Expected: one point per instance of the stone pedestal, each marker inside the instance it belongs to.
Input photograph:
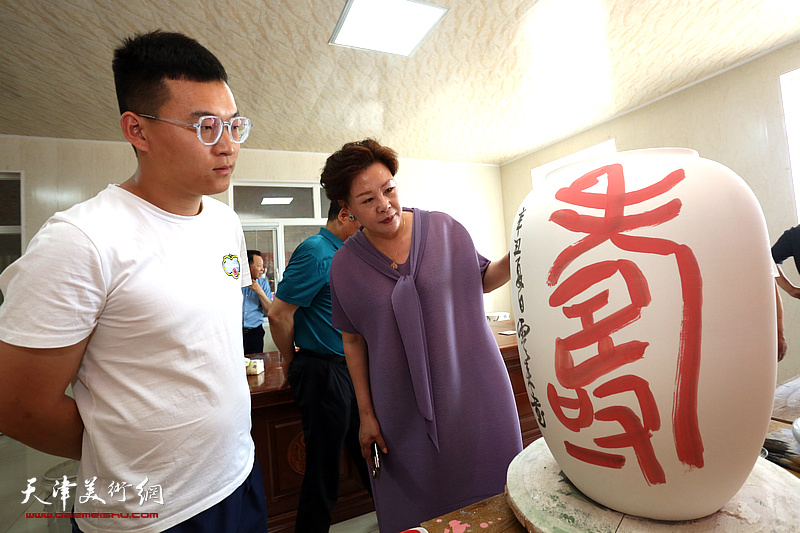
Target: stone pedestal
(544, 500)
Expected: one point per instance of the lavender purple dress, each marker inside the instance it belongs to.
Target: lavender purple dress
(440, 389)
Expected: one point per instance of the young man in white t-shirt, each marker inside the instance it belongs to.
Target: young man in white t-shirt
(160, 418)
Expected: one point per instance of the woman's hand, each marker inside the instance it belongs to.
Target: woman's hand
(355, 350)
(369, 432)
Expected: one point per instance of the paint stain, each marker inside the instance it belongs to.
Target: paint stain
(484, 525)
(458, 527)
(568, 518)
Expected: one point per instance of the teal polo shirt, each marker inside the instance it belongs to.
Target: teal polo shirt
(306, 284)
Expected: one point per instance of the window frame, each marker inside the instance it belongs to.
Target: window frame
(18, 229)
(789, 84)
(279, 224)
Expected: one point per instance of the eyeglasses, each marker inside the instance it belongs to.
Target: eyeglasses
(209, 128)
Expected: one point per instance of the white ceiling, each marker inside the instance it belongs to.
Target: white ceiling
(495, 80)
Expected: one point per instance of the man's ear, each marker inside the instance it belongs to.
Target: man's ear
(132, 130)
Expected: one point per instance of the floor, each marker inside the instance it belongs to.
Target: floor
(367, 523)
(19, 463)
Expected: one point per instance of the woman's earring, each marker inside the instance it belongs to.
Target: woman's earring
(351, 217)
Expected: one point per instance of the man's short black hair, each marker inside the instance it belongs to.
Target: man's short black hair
(333, 210)
(144, 61)
(251, 254)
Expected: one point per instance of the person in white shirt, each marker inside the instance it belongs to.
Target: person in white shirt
(160, 418)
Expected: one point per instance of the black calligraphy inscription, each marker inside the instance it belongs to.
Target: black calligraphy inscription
(524, 329)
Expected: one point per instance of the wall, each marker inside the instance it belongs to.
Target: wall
(469, 193)
(59, 173)
(734, 118)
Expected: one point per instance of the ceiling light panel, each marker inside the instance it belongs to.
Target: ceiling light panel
(390, 26)
(277, 201)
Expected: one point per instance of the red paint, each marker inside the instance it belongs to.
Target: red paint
(634, 436)
(458, 527)
(650, 417)
(609, 357)
(594, 457)
(583, 404)
(610, 227)
(613, 202)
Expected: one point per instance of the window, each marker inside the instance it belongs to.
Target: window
(276, 218)
(604, 148)
(11, 209)
(253, 202)
(790, 93)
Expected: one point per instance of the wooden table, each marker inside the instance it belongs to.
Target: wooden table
(786, 407)
(498, 517)
(492, 516)
(510, 352)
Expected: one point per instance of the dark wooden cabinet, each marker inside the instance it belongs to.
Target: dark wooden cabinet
(510, 352)
(278, 436)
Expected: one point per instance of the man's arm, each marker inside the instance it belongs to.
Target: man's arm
(34, 408)
(497, 273)
(782, 345)
(281, 327)
(784, 283)
(263, 299)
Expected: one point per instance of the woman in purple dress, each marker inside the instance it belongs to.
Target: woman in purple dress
(432, 389)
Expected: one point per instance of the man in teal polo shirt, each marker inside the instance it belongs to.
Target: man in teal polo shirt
(301, 316)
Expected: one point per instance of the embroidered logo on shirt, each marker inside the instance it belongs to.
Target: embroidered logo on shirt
(231, 265)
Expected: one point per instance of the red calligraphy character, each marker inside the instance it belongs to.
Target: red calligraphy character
(582, 404)
(651, 420)
(636, 433)
(594, 457)
(610, 227)
(612, 202)
(609, 356)
(634, 436)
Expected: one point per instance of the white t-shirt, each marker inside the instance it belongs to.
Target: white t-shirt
(162, 388)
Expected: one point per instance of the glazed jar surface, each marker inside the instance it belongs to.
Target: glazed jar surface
(644, 301)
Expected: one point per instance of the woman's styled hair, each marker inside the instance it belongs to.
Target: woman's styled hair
(352, 159)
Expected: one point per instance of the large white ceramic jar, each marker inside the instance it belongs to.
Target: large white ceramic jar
(646, 321)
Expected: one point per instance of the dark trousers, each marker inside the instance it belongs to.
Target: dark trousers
(244, 511)
(323, 390)
(253, 339)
